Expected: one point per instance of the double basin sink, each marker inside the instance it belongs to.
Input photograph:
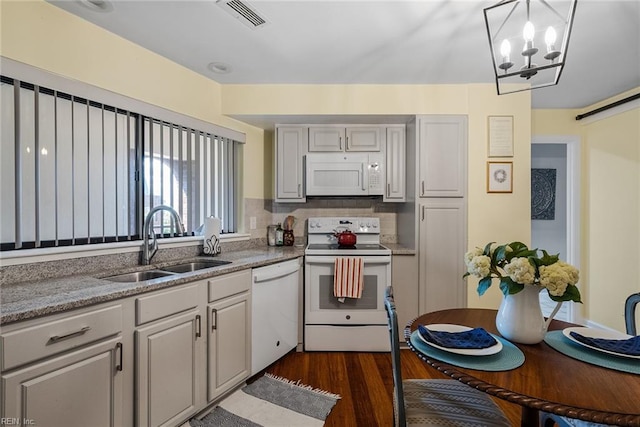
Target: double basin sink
(141, 276)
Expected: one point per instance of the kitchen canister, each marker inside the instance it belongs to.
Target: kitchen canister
(271, 235)
(287, 238)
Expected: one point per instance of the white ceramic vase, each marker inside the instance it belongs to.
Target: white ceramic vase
(520, 318)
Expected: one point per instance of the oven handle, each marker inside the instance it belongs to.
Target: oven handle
(368, 260)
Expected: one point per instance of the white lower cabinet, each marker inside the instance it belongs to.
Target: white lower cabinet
(443, 235)
(229, 352)
(168, 369)
(70, 372)
(82, 388)
(169, 355)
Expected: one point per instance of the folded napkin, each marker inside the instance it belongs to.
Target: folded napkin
(472, 339)
(629, 346)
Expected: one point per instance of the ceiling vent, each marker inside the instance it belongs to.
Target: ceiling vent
(243, 12)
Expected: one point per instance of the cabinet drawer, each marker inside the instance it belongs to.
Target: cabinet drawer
(229, 284)
(166, 303)
(33, 343)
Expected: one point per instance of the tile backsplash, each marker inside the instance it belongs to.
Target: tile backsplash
(268, 212)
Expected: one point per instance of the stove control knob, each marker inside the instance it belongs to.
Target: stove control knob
(375, 225)
(368, 225)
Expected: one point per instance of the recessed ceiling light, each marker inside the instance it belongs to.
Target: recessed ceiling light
(97, 5)
(219, 67)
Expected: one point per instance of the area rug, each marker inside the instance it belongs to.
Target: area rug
(271, 401)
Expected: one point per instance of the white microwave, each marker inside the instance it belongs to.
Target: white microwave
(344, 174)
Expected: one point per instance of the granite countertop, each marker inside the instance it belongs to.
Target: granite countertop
(27, 300)
(398, 249)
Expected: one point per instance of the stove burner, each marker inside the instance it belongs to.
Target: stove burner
(347, 247)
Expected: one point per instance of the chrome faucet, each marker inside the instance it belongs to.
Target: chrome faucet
(149, 248)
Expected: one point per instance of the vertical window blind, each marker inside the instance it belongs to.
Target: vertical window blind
(75, 171)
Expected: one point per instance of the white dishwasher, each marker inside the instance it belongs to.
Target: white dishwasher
(274, 312)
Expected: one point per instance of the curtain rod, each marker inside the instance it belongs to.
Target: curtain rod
(608, 106)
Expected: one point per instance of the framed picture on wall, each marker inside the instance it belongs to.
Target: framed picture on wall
(499, 177)
(500, 136)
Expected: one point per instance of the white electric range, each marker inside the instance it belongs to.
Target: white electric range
(357, 324)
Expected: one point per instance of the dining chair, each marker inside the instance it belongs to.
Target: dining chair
(435, 402)
(550, 420)
(630, 313)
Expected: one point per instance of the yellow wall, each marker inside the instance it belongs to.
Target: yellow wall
(610, 204)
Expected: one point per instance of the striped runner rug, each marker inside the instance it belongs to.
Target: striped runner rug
(271, 401)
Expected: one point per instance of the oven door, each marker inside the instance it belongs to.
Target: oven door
(323, 308)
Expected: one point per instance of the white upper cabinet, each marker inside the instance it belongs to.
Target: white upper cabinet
(365, 138)
(442, 151)
(395, 163)
(326, 138)
(340, 138)
(291, 146)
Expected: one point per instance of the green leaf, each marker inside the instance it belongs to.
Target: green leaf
(500, 252)
(548, 259)
(483, 285)
(518, 246)
(571, 294)
(487, 249)
(509, 287)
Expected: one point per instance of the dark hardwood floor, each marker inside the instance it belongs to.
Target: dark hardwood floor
(363, 380)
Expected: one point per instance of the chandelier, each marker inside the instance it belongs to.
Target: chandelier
(541, 28)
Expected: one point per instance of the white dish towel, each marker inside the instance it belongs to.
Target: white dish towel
(348, 279)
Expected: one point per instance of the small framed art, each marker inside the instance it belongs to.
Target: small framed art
(499, 177)
(500, 136)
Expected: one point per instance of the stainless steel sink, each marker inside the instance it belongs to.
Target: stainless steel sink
(139, 276)
(195, 266)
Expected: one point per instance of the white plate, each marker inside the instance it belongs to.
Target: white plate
(446, 327)
(598, 333)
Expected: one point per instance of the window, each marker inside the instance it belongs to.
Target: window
(75, 171)
(192, 171)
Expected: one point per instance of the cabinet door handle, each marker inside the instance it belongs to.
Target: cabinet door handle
(214, 319)
(347, 143)
(422, 209)
(422, 188)
(199, 322)
(120, 364)
(299, 188)
(340, 142)
(388, 189)
(57, 338)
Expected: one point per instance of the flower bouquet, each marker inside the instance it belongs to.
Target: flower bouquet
(515, 265)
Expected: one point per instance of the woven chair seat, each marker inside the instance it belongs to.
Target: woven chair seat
(449, 403)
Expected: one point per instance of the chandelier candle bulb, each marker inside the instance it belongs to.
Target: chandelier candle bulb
(550, 37)
(527, 33)
(505, 51)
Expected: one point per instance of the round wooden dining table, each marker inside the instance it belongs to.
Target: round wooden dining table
(547, 381)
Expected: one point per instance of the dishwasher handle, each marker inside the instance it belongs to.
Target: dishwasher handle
(275, 274)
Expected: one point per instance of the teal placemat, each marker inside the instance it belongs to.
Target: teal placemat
(510, 357)
(564, 345)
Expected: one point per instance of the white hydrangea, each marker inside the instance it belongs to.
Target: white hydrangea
(472, 254)
(556, 277)
(480, 266)
(521, 271)
(572, 272)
